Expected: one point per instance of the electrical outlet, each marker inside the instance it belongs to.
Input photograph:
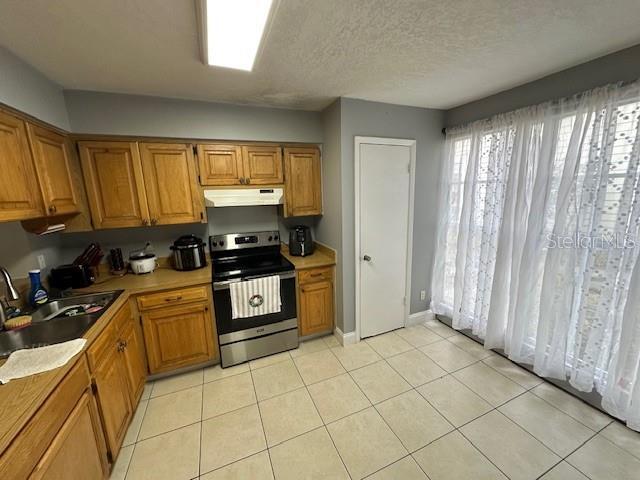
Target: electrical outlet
(423, 294)
(42, 263)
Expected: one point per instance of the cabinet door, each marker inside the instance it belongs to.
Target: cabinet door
(220, 165)
(262, 165)
(134, 362)
(178, 336)
(112, 389)
(19, 195)
(114, 182)
(51, 154)
(303, 182)
(171, 184)
(131, 346)
(77, 451)
(316, 307)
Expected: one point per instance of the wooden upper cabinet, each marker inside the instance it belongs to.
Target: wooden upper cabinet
(220, 165)
(303, 182)
(114, 182)
(51, 155)
(19, 195)
(171, 185)
(262, 164)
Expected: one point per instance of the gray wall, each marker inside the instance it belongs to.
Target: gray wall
(19, 250)
(619, 66)
(359, 117)
(220, 220)
(329, 227)
(26, 89)
(117, 114)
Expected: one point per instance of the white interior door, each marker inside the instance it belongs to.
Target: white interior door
(384, 206)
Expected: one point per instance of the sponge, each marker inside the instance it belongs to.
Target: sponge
(18, 322)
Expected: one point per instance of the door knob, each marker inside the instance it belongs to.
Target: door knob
(366, 258)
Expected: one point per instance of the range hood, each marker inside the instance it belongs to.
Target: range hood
(242, 197)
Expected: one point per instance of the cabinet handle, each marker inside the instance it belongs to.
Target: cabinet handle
(173, 299)
(154, 221)
(52, 209)
(145, 221)
(247, 181)
(319, 274)
(242, 180)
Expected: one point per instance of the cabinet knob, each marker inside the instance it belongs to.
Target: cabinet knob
(154, 221)
(247, 181)
(145, 221)
(52, 209)
(242, 180)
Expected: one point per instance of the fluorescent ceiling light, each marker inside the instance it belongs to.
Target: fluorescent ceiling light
(233, 30)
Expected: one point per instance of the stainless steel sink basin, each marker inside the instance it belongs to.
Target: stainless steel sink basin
(58, 307)
(49, 325)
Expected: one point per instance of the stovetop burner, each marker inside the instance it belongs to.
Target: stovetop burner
(247, 254)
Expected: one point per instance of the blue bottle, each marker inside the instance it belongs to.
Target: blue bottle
(37, 294)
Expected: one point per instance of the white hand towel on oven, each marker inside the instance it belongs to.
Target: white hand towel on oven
(259, 296)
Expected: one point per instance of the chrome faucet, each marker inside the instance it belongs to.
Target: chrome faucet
(12, 294)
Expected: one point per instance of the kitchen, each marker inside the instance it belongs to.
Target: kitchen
(214, 268)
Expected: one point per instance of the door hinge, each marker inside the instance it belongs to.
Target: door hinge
(199, 179)
(201, 215)
(409, 168)
(94, 387)
(404, 300)
(195, 149)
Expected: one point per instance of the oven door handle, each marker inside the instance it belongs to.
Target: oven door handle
(224, 285)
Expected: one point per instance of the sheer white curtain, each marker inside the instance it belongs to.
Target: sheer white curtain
(536, 246)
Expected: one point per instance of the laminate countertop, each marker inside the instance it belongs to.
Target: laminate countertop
(20, 399)
(322, 256)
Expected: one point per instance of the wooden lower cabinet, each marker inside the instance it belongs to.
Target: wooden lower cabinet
(178, 336)
(75, 452)
(315, 297)
(135, 365)
(130, 345)
(111, 388)
(64, 438)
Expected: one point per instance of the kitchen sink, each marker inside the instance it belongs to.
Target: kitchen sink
(67, 306)
(57, 321)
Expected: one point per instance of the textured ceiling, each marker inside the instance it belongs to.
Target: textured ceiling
(428, 53)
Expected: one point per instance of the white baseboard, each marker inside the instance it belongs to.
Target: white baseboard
(420, 317)
(345, 338)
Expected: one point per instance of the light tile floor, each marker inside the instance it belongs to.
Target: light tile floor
(422, 402)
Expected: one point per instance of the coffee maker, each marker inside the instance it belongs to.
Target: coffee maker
(300, 241)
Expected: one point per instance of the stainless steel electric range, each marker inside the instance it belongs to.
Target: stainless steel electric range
(240, 257)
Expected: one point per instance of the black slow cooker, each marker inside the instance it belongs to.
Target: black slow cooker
(188, 253)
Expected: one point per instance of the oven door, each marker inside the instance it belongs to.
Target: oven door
(230, 329)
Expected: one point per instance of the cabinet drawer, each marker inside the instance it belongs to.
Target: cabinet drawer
(315, 275)
(172, 297)
(26, 450)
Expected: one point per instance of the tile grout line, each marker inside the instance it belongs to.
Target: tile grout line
(318, 412)
(264, 433)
